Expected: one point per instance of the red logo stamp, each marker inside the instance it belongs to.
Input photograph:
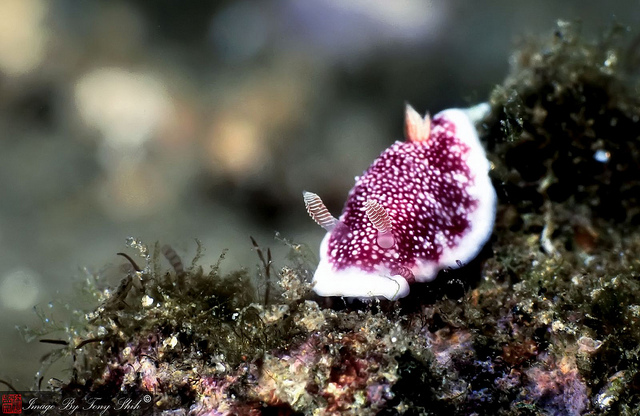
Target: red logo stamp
(11, 404)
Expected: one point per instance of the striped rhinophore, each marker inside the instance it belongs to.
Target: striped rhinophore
(318, 211)
(381, 221)
(378, 216)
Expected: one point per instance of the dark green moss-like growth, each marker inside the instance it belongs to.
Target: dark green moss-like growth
(566, 125)
(564, 136)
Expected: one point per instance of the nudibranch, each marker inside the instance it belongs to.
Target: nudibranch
(424, 205)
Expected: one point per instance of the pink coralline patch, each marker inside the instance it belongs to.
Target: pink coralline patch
(559, 388)
(447, 343)
(435, 192)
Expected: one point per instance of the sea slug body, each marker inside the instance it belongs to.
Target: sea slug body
(423, 205)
